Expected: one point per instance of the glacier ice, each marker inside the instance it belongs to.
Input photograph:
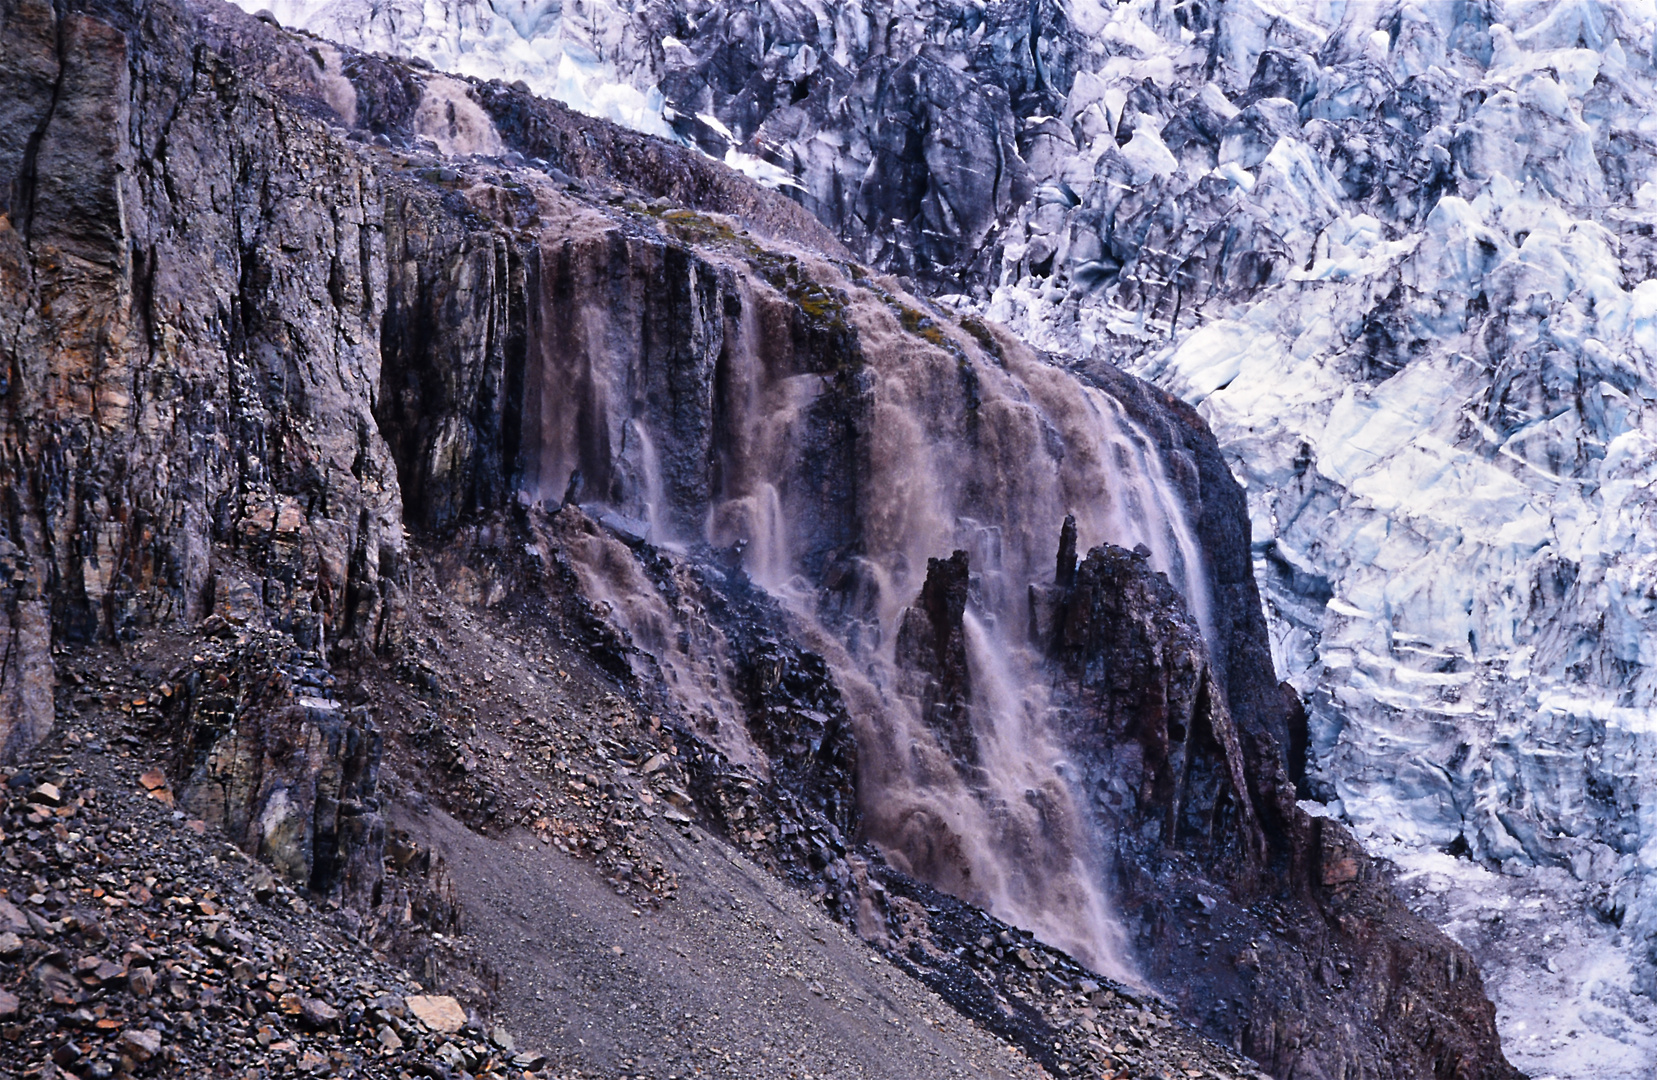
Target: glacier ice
(590, 54)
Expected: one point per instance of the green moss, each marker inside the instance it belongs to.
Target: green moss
(924, 327)
(823, 308)
(692, 228)
(980, 333)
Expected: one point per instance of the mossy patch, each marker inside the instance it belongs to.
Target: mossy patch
(690, 227)
(925, 327)
(822, 308)
(980, 332)
(930, 330)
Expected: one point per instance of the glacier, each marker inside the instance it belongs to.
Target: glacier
(1400, 255)
(588, 55)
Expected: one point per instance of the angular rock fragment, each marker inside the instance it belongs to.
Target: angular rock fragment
(57, 985)
(439, 1013)
(12, 920)
(140, 1044)
(319, 1014)
(141, 981)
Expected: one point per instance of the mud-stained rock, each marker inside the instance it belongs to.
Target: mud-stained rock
(1212, 848)
(1147, 714)
(932, 650)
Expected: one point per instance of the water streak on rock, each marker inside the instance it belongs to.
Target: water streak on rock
(835, 484)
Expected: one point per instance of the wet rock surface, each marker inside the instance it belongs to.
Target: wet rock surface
(931, 644)
(1279, 917)
(1275, 922)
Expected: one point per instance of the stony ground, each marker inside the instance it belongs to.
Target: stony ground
(134, 941)
(738, 976)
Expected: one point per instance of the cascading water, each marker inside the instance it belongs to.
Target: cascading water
(838, 482)
(1147, 510)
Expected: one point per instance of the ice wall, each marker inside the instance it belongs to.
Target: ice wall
(593, 55)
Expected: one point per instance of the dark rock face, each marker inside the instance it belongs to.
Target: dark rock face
(1199, 800)
(191, 344)
(1234, 893)
(193, 281)
(1149, 715)
(932, 646)
(286, 770)
(454, 339)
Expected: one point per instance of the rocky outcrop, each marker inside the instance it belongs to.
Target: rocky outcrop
(931, 647)
(1220, 521)
(192, 287)
(1237, 894)
(454, 340)
(267, 753)
(1147, 713)
(190, 339)
(796, 715)
(1233, 893)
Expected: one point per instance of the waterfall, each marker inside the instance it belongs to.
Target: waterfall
(837, 483)
(1149, 511)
